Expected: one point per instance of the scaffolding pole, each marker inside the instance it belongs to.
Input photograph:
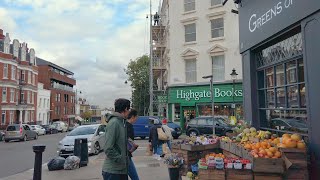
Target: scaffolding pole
(151, 66)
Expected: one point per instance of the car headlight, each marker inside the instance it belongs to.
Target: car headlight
(89, 143)
(60, 143)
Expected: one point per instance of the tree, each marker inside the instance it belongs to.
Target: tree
(86, 115)
(138, 72)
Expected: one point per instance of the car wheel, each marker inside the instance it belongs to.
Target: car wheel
(193, 133)
(143, 137)
(25, 138)
(36, 137)
(175, 137)
(96, 148)
(6, 140)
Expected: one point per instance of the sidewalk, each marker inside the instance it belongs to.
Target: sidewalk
(147, 167)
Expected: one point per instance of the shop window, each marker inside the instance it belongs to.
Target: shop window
(218, 68)
(191, 70)
(189, 5)
(281, 98)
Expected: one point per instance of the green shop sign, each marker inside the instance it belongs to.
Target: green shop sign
(189, 95)
(162, 99)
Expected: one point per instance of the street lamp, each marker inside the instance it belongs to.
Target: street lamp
(233, 77)
(212, 102)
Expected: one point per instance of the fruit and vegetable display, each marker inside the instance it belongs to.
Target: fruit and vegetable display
(263, 149)
(198, 140)
(290, 141)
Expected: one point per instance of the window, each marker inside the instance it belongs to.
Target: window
(216, 2)
(4, 94)
(39, 117)
(189, 5)
(23, 75)
(66, 98)
(11, 117)
(28, 97)
(39, 105)
(32, 116)
(29, 77)
(13, 72)
(12, 93)
(217, 28)
(190, 32)
(281, 92)
(218, 68)
(32, 97)
(191, 71)
(5, 71)
(44, 102)
(33, 79)
(43, 116)
(22, 97)
(65, 110)
(3, 118)
(59, 97)
(48, 105)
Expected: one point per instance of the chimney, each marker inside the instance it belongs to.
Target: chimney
(1, 34)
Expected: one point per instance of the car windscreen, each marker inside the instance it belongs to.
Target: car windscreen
(13, 128)
(83, 131)
(297, 123)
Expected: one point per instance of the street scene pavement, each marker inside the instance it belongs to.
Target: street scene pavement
(18, 156)
(147, 167)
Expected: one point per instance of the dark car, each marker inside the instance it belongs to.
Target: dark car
(50, 129)
(143, 124)
(204, 125)
(291, 124)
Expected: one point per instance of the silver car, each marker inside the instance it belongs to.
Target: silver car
(95, 135)
(21, 132)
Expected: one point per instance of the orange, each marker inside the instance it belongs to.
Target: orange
(270, 154)
(273, 149)
(277, 154)
(301, 145)
(282, 145)
(291, 143)
(286, 135)
(262, 152)
(296, 137)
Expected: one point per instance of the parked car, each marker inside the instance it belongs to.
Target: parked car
(94, 134)
(50, 129)
(143, 124)
(61, 126)
(39, 129)
(290, 124)
(204, 125)
(1, 135)
(21, 132)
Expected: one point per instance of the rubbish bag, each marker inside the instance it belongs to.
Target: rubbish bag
(56, 163)
(72, 162)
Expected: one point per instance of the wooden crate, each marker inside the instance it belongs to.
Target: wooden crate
(211, 174)
(212, 146)
(236, 149)
(295, 174)
(247, 155)
(189, 147)
(267, 165)
(175, 146)
(225, 145)
(229, 154)
(234, 174)
(267, 176)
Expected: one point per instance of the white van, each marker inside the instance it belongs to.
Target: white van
(60, 126)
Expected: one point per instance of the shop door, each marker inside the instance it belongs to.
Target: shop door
(188, 113)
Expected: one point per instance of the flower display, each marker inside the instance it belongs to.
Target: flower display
(173, 160)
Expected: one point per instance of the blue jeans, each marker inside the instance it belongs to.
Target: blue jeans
(157, 149)
(132, 172)
(169, 144)
(109, 176)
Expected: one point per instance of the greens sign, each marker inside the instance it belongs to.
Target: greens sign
(192, 94)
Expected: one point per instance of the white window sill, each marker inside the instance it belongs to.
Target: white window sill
(216, 6)
(189, 12)
(5, 78)
(4, 101)
(190, 43)
(216, 39)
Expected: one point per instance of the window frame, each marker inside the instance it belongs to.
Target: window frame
(218, 69)
(12, 91)
(13, 72)
(3, 117)
(4, 94)
(189, 2)
(191, 73)
(213, 29)
(5, 71)
(186, 26)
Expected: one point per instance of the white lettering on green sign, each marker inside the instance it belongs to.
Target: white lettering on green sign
(197, 95)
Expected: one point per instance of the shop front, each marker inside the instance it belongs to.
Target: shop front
(187, 102)
(279, 43)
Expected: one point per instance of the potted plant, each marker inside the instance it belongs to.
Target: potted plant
(174, 161)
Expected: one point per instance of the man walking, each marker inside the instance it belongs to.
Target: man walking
(115, 165)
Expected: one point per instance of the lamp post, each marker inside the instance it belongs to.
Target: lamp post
(233, 77)
(212, 102)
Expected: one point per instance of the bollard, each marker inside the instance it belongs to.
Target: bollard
(38, 150)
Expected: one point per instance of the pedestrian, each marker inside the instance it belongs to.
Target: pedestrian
(156, 18)
(168, 132)
(132, 118)
(154, 140)
(116, 163)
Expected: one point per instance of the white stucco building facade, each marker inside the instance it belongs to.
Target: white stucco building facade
(201, 38)
(43, 110)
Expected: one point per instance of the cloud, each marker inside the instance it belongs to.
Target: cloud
(95, 39)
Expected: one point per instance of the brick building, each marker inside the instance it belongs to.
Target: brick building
(18, 82)
(60, 81)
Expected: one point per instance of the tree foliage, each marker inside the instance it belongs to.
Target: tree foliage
(138, 72)
(86, 115)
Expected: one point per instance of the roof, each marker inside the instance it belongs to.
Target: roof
(42, 62)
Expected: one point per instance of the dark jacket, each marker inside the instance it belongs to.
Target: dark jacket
(116, 161)
(153, 135)
(130, 133)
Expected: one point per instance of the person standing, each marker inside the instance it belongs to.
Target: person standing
(154, 140)
(115, 165)
(132, 118)
(156, 18)
(168, 132)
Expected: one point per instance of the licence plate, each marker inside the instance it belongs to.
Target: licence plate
(69, 149)
(12, 133)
